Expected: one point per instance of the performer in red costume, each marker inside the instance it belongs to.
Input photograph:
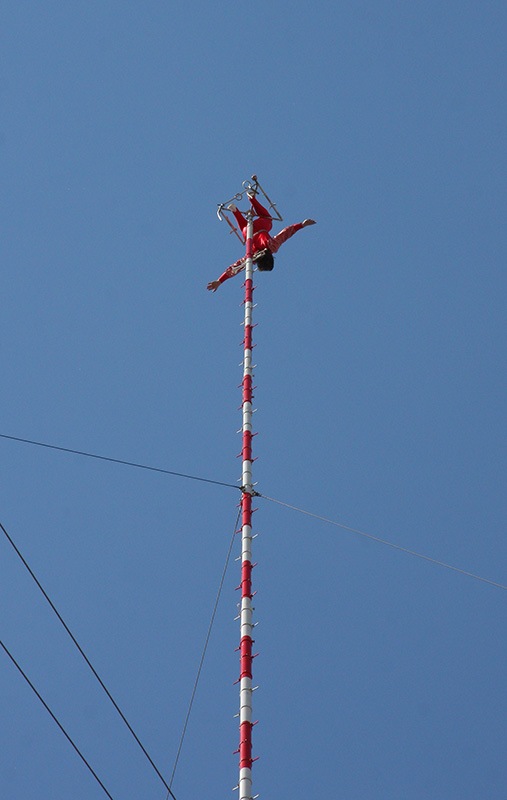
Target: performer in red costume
(264, 245)
(262, 224)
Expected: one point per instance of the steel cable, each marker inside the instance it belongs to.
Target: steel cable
(32, 687)
(87, 660)
(117, 461)
(384, 541)
(205, 647)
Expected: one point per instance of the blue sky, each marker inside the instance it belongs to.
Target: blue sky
(381, 386)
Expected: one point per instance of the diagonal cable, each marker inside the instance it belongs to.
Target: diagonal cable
(32, 687)
(204, 649)
(117, 461)
(383, 541)
(104, 687)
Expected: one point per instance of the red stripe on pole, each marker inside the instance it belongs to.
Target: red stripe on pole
(247, 509)
(247, 390)
(246, 657)
(245, 745)
(246, 579)
(247, 446)
(248, 337)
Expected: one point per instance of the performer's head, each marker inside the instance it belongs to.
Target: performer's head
(265, 261)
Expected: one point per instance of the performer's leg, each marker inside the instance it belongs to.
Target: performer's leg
(261, 211)
(267, 222)
(241, 221)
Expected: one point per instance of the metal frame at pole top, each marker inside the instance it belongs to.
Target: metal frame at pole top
(246, 622)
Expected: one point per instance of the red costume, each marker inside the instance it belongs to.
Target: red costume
(261, 225)
(262, 239)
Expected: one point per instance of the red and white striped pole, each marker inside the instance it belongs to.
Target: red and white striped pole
(245, 679)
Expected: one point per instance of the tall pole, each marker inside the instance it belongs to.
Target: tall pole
(245, 679)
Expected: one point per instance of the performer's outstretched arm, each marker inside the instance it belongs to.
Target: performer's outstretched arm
(229, 273)
(280, 238)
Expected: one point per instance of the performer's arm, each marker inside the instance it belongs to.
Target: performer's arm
(229, 273)
(282, 237)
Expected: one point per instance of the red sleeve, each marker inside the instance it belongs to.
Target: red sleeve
(282, 237)
(232, 270)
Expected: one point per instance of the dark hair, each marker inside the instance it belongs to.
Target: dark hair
(265, 261)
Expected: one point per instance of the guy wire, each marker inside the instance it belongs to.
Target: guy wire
(384, 541)
(32, 687)
(205, 647)
(90, 665)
